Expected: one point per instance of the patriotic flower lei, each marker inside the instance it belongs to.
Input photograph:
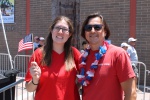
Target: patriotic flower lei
(84, 78)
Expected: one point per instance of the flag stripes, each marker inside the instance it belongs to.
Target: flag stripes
(26, 43)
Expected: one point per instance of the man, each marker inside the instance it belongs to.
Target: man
(131, 49)
(124, 46)
(36, 42)
(85, 46)
(133, 55)
(106, 72)
(41, 42)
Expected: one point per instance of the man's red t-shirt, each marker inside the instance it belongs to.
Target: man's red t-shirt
(55, 82)
(114, 68)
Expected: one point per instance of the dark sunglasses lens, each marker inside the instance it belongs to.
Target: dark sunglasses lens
(97, 27)
(88, 28)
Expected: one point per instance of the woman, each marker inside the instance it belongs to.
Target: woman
(53, 73)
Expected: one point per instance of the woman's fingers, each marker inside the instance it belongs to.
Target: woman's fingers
(34, 64)
(35, 71)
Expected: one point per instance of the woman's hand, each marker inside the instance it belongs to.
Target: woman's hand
(35, 72)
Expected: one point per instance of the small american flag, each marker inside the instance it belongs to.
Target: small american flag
(26, 43)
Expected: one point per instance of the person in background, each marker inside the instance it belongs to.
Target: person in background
(53, 72)
(41, 42)
(133, 55)
(85, 46)
(124, 46)
(36, 42)
(106, 72)
(131, 50)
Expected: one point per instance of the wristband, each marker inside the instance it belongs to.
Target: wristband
(34, 83)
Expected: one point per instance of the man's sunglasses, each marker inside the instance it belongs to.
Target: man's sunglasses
(97, 27)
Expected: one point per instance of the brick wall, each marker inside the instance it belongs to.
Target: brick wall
(117, 15)
(143, 32)
(15, 31)
(40, 18)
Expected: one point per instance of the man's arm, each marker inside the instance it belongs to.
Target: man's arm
(129, 88)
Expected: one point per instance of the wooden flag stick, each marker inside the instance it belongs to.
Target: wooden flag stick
(33, 48)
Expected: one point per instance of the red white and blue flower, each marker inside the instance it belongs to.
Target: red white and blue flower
(84, 78)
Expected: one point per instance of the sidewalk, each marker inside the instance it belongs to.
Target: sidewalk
(140, 94)
(30, 95)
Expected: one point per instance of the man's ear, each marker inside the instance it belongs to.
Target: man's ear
(105, 32)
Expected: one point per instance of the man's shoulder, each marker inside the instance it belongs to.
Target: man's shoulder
(35, 43)
(114, 47)
(130, 48)
(115, 50)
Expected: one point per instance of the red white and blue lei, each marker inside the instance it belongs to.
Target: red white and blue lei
(85, 77)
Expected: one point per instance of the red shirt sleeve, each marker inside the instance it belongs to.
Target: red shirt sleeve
(77, 57)
(124, 67)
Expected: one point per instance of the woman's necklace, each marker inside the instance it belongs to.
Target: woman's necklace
(85, 78)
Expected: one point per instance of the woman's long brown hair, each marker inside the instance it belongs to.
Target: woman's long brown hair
(47, 50)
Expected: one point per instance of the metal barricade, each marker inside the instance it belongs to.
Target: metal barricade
(147, 88)
(9, 88)
(141, 80)
(21, 64)
(5, 63)
(20, 94)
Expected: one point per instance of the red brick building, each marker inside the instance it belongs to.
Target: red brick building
(125, 18)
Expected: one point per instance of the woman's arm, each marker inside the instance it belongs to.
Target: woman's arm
(35, 72)
(31, 85)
